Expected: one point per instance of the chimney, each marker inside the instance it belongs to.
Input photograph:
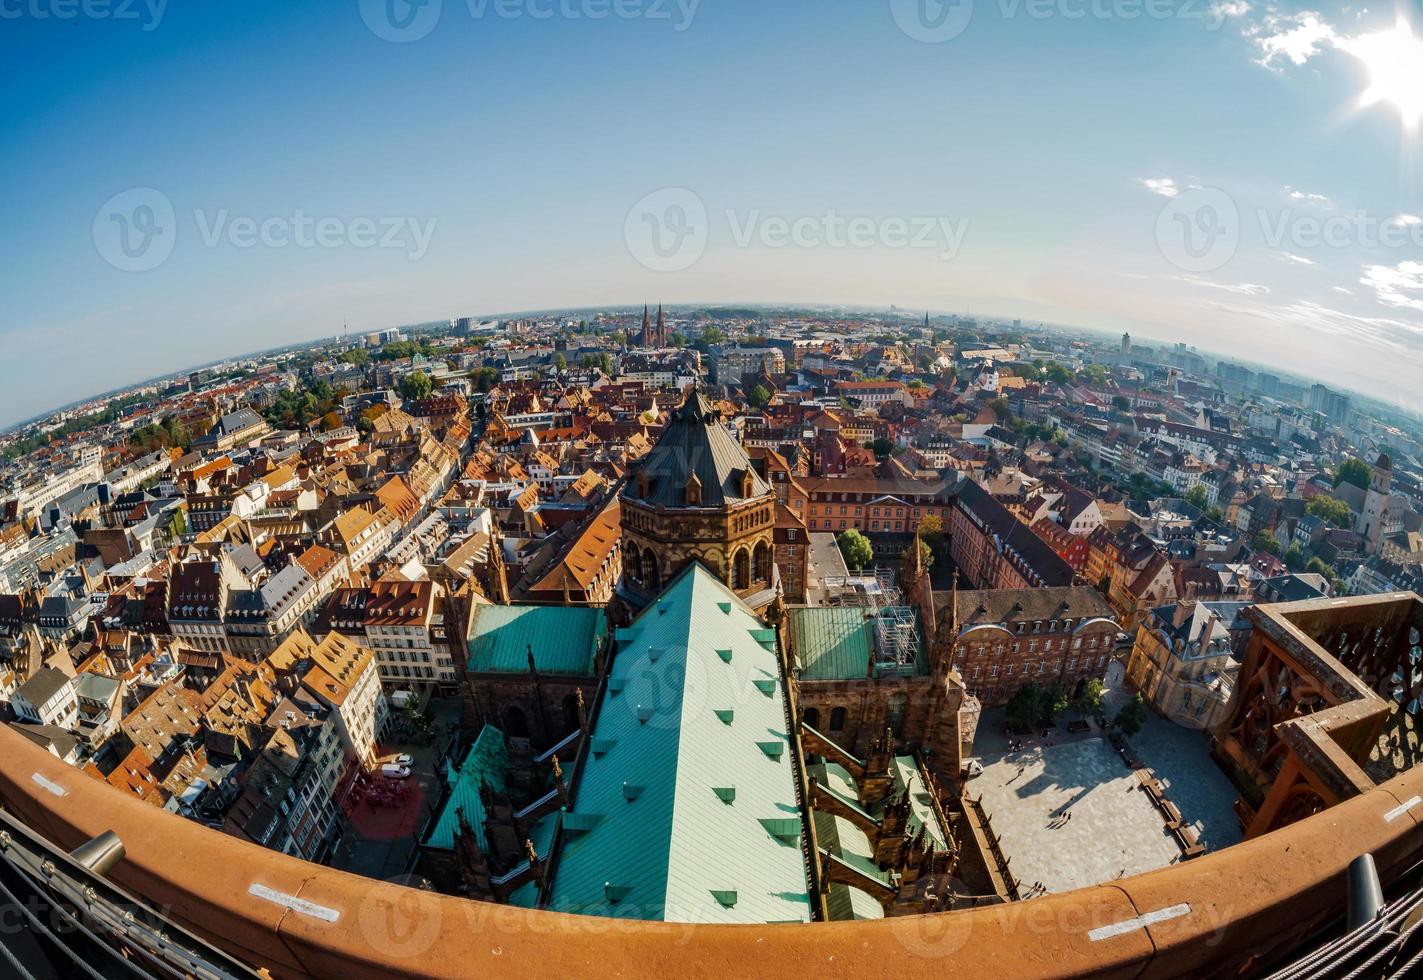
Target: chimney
(1184, 611)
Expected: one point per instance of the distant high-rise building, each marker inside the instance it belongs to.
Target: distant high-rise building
(1331, 403)
(1126, 343)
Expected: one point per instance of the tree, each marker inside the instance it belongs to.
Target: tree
(602, 362)
(1121, 402)
(1090, 699)
(485, 378)
(882, 447)
(560, 363)
(1132, 716)
(1026, 708)
(1056, 701)
(1001, 408)
(855, 548)
(759, 397)
(1294, 557)
(926, 554)
(1332, 510)
(1197, 497)
(1354, 471)
(416, 386)
(1265, 541)
(931, 530)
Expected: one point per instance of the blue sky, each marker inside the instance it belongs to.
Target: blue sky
(1164, 167)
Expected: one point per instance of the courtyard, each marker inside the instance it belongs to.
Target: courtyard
(1114, 829)
(384, 823)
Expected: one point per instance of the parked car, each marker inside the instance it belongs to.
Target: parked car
(403, 759)
(392, 771)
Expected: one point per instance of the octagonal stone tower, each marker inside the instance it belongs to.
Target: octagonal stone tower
(696, 496)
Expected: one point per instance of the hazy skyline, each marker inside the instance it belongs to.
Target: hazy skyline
(1238, 176)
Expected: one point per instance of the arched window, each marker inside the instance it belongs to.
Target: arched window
(515, 724)
(651, 574)
(762, 562)
(741, 570)
(894, 710)
(812, 717)
(633, 565)
(837, 719)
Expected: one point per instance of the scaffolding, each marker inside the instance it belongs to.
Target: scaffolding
(896, 627)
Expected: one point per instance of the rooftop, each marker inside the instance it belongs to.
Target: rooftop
(690, 751)
(564, 639)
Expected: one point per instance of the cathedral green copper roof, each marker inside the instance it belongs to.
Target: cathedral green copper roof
(487, 761)
(688, 807)
(831, 643)
(564, 639)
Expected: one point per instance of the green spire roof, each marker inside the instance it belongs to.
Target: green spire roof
(707, 836)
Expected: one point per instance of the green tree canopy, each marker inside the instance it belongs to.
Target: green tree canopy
(1090, 698)
(1197, 497)
(855, 548)
(416, 386)
(1265, 541)
(1354, 471)
(1331, 509)
(931, 530)
(1132, 716)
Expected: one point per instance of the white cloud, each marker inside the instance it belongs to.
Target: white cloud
(1291, 257)
(1243, 288)
(1291, 37)
(1164, 186)
(1229, 8)
(1307, 198)
(1396, 285)
(1341, 289)
(1406, 219)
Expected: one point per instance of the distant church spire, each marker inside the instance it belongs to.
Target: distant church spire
(646, 327)
(661, 327)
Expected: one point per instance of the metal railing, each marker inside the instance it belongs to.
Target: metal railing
(61, 918)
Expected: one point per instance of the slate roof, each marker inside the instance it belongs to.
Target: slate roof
(45, 684)
(1077, 603)
(689, 754)
(564, 639)
(696, 441)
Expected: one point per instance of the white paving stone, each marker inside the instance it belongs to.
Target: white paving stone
(1114, 830)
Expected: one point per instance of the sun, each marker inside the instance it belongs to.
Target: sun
(1394, 59)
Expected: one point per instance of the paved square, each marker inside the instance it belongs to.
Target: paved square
(1114, 828)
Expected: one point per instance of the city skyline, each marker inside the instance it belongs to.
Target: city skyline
(1000, 178)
